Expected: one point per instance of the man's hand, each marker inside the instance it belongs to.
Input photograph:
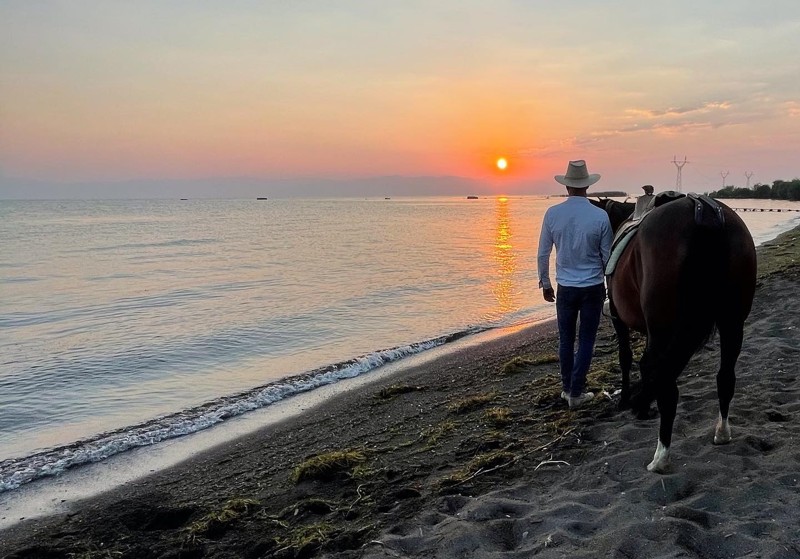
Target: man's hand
(549, 294)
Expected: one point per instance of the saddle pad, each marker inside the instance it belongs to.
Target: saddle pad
(621, 240)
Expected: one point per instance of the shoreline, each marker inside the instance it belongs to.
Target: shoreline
(467, 456)
(35, 499)
(173, 427)
(279, 435)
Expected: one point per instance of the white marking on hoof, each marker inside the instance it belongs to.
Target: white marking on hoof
(660, 463)
(722, 434)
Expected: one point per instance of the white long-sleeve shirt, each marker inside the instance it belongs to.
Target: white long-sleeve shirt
(582, 236)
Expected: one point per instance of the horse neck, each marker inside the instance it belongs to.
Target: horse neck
(617, 213)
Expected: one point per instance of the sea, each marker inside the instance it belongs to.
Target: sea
(125, 323)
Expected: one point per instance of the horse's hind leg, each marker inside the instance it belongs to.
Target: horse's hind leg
(667, 400)
(663, 368)
(730, 341)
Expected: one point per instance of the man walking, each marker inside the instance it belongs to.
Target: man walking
(582, 236)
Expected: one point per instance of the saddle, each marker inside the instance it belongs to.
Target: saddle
(714, 218)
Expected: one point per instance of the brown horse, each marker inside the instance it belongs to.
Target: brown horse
(686, 272)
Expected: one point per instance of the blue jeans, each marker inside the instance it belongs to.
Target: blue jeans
(572, 302)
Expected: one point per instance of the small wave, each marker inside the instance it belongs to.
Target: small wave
(23, 279)
(774, 231)
(112, 309)
(161, 244)
(19, 471)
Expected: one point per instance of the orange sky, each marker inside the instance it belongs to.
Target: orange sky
(99, 91)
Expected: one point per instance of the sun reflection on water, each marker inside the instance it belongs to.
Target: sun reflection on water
(504, 257)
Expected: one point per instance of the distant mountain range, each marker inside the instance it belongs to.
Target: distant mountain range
(248, 187)
(608, 194)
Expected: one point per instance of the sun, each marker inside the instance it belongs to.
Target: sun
(502, 163)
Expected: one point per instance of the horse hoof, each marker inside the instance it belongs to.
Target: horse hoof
(658, 467)
(721, 440)
(660, 463)
(722, 433)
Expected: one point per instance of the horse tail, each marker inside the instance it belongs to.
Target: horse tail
(703, 283)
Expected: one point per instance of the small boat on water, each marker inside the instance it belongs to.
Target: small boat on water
(472, 197)
(262, 198)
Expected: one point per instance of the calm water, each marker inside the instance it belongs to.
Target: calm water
(127, 322)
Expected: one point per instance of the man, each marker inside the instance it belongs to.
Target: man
(644, 202)
(582, 236)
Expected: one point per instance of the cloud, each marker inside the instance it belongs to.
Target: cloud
(747, 109)
(707, 115)
(681, 111)
(597, 138)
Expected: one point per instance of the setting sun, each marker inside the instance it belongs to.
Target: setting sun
(502, 163)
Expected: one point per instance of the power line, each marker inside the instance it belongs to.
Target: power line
(724, 176)
(748, 174)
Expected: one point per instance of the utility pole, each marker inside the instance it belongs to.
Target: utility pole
(679, 165)
(724, 176)
(748, 174)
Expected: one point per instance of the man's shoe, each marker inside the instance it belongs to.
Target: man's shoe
(577, 401)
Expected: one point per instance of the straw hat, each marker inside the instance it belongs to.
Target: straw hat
(577, 176)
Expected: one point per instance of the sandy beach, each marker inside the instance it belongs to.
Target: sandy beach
(475, 455)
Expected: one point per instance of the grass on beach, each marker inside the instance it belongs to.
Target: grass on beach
(521, 364)
(396, 390)
(215, 523)
(780, 255)
(329, 465)
(471, 403)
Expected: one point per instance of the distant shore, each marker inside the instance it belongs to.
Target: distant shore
(475, 455)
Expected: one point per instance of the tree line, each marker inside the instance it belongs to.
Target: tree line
(780, 190)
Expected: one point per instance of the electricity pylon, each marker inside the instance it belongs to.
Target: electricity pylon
(679, 165)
